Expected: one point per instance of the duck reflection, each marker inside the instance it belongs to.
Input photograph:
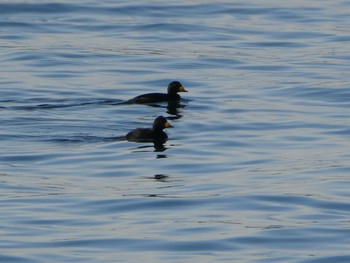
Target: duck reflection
(159, 146)
(173, 107)
(160, 177)
(156, 148)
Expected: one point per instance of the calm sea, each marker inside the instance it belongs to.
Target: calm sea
(256, 168)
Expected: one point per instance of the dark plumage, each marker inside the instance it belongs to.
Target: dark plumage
(155, 133)
(173, 88)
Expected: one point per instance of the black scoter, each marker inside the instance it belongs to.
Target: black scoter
(155, 133)
(173, 88)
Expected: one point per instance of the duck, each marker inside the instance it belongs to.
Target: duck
(153, 134)
(174, 87)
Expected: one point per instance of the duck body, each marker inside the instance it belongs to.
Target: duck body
(155, 98)
(145, 135)
(155, 133)
(173, 88)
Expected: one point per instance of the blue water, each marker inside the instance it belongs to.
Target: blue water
(256, 168)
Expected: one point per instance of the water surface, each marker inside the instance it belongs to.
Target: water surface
(255, 170)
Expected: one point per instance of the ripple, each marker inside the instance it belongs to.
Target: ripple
(255, 170)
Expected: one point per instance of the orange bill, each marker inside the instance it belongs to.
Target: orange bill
(182, 89)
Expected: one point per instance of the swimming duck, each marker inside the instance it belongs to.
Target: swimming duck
(173, 88)
(150, 134)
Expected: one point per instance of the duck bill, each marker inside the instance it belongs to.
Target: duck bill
(182, 89)
(168, 125)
